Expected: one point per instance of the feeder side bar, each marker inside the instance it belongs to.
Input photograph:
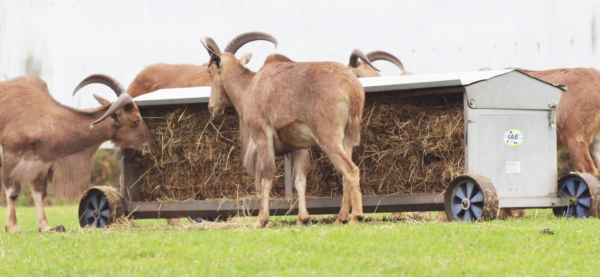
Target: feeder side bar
(321, 205)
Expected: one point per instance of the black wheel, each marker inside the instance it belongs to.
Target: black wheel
(100, 206)
(209, 219)
(584, 190)
(471, 198)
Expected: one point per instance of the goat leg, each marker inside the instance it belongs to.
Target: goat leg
(301, 163)
(12, 192)
(263, 214)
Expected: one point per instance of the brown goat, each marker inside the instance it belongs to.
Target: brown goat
(300, 157)
(317, 103)
(362, 69)
(577, 115)
(161, 76)
(39, 131)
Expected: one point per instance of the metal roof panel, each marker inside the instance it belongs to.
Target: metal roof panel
(373, 84)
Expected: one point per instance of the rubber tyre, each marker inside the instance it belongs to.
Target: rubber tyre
(100, 207)
(482, 199)
(588, 199)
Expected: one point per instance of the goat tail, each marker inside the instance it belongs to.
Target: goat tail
(355, 113)
(353, 127)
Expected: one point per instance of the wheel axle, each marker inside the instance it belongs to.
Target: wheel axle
(466, 204)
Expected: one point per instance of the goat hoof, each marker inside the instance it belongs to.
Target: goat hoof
(12, 229)
(340, 221)
(59, 229)
(259, 224)
(173, 221)
(356, 219)
(303, 222)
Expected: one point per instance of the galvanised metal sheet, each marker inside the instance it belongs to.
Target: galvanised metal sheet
(377, 84)
(516, 149)
(396, 84)
(174, 96)
(514, 90)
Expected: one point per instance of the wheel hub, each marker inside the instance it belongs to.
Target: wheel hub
(96, 214)
(465, 204)
(572, 201)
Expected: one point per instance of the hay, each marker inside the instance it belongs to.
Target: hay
(412, 145)
(195, 157)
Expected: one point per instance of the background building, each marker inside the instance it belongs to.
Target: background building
(65, 41)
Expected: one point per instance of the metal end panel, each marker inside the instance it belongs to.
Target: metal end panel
(513, 91)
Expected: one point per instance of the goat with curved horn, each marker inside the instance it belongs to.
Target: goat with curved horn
(361, 70)
(32, 151)
(160, 76)
(323, 100)
(101, 79)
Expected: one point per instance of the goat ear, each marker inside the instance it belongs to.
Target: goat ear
(216, 59)
(245, 58)
(101, 100)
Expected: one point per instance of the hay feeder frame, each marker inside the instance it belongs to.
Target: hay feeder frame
(510, 154)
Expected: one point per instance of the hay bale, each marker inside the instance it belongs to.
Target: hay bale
(195, 157)
(412, 145)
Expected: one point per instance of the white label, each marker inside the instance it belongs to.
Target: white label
(513, 167)
(513, 137)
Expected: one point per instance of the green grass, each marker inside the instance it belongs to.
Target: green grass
(497, 248)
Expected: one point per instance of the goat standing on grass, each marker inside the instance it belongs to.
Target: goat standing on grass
(301, 157)
(362, 69)
(161, 75)
(36, 132)
(318, 103)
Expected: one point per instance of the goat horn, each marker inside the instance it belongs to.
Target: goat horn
(121, 102)
(357, 54)
(381, 55)
(210, 45)
(102, 79)
(239, 41)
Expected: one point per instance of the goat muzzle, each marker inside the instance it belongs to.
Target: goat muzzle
(146, 149)
(215, 112)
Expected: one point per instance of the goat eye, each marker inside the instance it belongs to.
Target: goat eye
(136, 123)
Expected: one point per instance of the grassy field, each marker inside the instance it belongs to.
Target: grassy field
(403, 248)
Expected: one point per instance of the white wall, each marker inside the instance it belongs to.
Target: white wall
(64, 41)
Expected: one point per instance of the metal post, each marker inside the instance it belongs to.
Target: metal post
(288, 165)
